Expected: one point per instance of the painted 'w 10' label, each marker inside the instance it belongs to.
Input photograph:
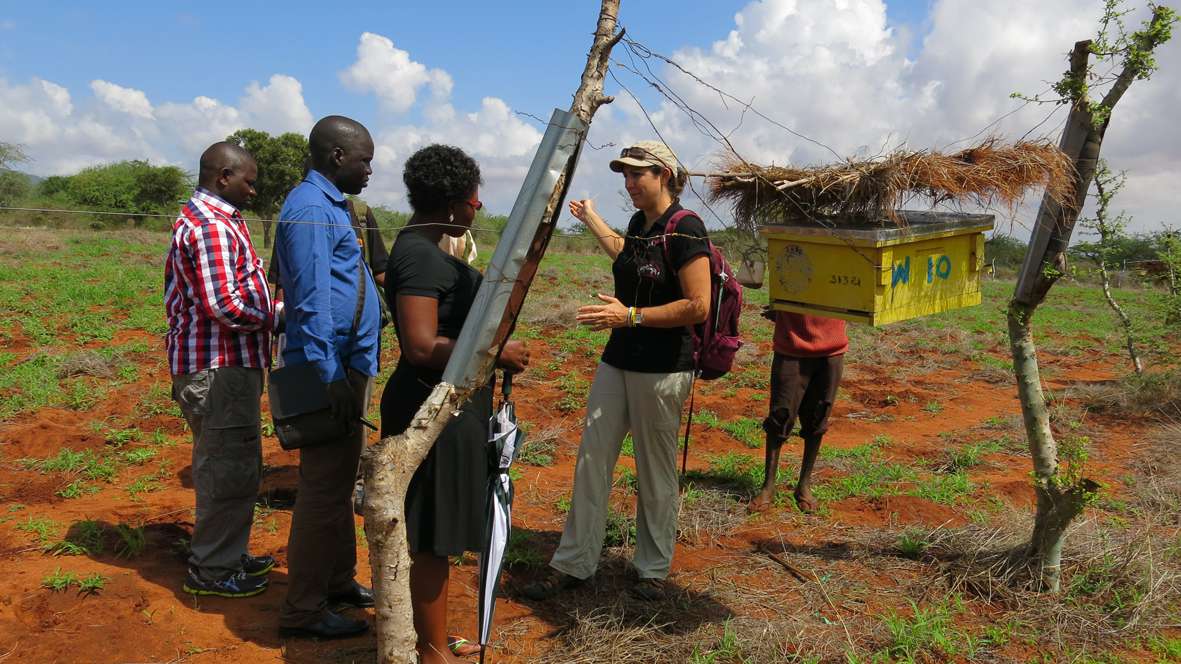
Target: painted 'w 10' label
(938, 268)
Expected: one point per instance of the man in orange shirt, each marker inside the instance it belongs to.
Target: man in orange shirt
(805, 375)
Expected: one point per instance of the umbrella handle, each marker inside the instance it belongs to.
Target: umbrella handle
(506, 384)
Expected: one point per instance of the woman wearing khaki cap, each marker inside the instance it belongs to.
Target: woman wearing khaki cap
(644, 375)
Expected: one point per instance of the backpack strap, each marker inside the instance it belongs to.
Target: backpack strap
(670, 228)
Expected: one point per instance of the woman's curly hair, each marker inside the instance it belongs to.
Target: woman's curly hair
(438, 175)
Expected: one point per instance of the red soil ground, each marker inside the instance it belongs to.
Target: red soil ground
(141, 615)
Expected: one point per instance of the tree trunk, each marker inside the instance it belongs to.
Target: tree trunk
(1044, 264)
(1056, 506)
(266, 231)
(1123, 317)
(391, 463)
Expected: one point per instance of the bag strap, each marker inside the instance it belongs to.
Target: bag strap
(688, 424)
(362, 226)
(362, 271)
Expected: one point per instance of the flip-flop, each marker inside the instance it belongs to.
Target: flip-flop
(461, 647)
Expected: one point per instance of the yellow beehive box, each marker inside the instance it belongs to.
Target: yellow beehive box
(878, 273)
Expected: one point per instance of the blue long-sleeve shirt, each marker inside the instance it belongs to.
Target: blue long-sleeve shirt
(318, 272)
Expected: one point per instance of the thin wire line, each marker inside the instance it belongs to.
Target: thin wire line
(633, 44)
(398, 230)
(720, 138)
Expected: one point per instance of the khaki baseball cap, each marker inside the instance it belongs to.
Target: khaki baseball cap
(646, 153)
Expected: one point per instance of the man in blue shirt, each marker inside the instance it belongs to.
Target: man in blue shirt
(319, 264)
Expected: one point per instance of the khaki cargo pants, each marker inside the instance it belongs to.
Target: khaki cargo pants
(222, 408)
(649, 406)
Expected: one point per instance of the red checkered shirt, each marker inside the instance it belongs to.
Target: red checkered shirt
(219, 310)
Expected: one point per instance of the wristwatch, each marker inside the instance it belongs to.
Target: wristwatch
(638, 318)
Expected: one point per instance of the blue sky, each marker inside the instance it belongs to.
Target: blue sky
(86, 83)
(528, 53)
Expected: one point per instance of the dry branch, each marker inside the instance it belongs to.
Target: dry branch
(987, 175)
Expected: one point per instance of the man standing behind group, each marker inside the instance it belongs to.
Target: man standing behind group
(805, 375)
(220, 319)
(319, 264)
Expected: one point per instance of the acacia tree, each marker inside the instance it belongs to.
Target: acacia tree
(13, 185)
(280, 162)
(391, 463)
(1110, 230)
(1061, 491)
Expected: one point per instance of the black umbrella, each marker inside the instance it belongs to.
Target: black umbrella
(504, 438)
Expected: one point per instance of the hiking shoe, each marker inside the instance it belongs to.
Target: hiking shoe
(239, 584)
(257, 565)
(649, 590)
(553, 583)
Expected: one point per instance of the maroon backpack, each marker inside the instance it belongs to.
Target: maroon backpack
(716, 341)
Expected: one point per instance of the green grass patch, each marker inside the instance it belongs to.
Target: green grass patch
(621, 529)
(926, 634)
(973, 454)
(869, 478)
(625, 478)
(85, 464)
(29, 385)
(946, 489)
(537, 452)
(746, 430)
(44, 530)
(59, 581)
(574, 390)
(77, 489)
(707, 418)
(734, 472)
(912, 543)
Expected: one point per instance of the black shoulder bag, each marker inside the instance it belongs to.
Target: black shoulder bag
(299, 399)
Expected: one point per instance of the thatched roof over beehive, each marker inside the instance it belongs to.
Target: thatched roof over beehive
(987, 175)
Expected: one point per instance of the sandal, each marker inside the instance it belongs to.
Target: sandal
(461, 647)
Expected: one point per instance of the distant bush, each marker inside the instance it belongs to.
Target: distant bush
(128, 186)
(1005, 252)
(14, 187)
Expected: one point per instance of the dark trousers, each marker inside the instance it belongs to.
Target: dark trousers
(322, 546)
(802, 388)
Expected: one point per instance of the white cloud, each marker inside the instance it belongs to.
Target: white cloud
(835, 71)
(279, 106)
(122, 123)
(126, 100)
(500, 141)
(389, 73)
(199, 123)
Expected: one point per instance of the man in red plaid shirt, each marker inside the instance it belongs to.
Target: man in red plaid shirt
(220, 319)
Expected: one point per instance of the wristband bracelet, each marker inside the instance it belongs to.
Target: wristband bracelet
(631, 316)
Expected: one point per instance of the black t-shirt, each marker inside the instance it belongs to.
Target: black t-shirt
(369, 237)
(646, 277)
(418, 266)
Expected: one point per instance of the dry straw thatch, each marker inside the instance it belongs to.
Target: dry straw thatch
(987, 175)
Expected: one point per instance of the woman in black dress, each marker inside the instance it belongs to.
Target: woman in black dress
(430, 293)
